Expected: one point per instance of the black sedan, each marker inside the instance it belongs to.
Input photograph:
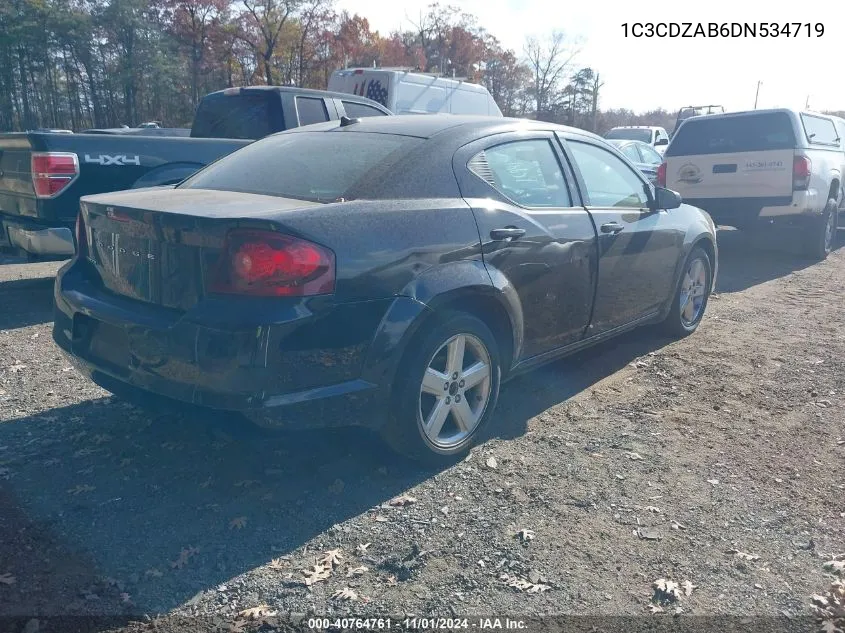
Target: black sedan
(643, 155)
(389, 272)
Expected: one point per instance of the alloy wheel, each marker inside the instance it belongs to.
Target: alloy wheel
(693, 292)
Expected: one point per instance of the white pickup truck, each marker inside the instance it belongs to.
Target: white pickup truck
(781, 168)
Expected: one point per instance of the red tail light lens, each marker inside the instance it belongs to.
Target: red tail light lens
(661, 175)
(53, 172)
(802, 167)
(263, 263)
(81, 235)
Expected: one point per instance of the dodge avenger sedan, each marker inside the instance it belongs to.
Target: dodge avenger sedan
(388, 272)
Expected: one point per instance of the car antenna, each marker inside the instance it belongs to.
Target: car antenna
(345, 120)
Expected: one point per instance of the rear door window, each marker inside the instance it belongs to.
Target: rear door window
(730, 134)
(311, 110)
(650, 157)
(820, 131)
(527, 172)
(630, 152)
(241, 116)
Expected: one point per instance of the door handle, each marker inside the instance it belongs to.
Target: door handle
(506, 234)
(611, 227)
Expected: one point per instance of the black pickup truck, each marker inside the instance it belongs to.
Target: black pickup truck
(43, 174)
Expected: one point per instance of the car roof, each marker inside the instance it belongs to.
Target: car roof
(305, 92)
(429, 125)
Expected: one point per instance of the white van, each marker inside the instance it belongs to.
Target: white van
(405, 92)
(762, 168)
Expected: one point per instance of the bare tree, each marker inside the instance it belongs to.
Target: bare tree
(268, 18)
(549, 60)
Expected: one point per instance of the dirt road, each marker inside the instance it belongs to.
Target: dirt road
(716, 462)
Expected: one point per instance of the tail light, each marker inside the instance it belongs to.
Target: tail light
(53, 172)
(263, 263)
(802, 167)
(661, 175)
(81, 235)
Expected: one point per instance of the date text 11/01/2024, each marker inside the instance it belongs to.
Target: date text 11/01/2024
(415, 624)
(722, 29)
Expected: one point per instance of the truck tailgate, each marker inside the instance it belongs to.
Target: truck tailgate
(762, 174)
(17, 196)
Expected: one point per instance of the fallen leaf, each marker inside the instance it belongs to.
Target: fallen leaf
(523, 584)
(403, 500)
(17, 367)
(655, 608)
(316, 574)
(354, 572)
(278, 564)
(261, 611)
(362, 548)
(634, 456)
(653, 509)
(184, 556)
(492, 463)
(444, 510)
(688, 587)
(525, 535)
(648, 534)
(713, 482)
(330, 558)
(81, 489)
(380, 519)
(7, 579)
(237, 522)
(678, 526)
(665, 590)
(345, 594)
(35, 336)
(743, 555)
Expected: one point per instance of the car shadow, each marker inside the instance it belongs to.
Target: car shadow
(746, 259)
(26, 302)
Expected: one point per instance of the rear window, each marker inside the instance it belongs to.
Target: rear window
(819, 130)
(360, 110)
(726, 135)
(317, 166)
(242, 116)
(630, 135)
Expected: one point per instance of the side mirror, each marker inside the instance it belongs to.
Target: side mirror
(665, 199)
(661, 141)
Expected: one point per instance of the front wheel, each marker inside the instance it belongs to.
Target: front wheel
(690, 299)
(446, 390)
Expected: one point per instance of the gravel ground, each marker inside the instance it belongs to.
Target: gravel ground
(715, 462)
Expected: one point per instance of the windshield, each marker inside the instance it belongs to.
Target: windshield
(630, 134)
(316, 166)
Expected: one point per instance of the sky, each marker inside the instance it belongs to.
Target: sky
(648, 72)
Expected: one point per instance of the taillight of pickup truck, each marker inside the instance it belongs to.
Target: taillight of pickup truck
(53, 172)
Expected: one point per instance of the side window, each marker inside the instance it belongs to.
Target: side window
(311, 110)
(650, 157)
(631, 153)
(609, 181)
(527, 172)
(360, 110)
(819, 130)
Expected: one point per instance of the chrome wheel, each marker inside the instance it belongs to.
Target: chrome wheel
(455, 390)
(693, 292)
(829, 231)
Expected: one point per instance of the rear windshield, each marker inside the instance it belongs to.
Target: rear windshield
(630, 135)
(317, 166)
(725, 135)
(241, 116)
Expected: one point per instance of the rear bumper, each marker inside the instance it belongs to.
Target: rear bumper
(299, 368)
(733, 211)
(49, 241)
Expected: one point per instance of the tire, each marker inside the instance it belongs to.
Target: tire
(414, 402)
(683, 321)
(821, 233)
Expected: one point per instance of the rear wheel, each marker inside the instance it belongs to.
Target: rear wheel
(446, 390)
(691, 296)
(821, 233)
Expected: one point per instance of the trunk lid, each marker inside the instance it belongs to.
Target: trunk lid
(765, 174)
(160, 245)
